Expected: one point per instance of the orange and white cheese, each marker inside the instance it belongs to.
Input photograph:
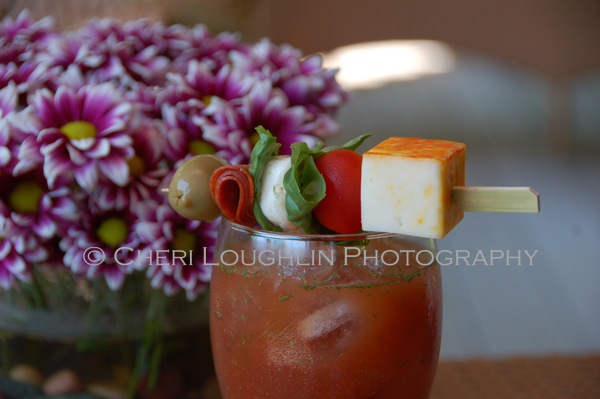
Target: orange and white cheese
(406, 186)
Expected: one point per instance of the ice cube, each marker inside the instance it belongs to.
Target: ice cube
(325, 321)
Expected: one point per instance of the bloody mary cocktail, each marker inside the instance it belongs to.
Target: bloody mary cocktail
(312, 317)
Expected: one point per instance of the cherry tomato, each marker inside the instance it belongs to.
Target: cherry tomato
(340, 209)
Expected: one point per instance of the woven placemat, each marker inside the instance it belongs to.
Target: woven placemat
(516, 378)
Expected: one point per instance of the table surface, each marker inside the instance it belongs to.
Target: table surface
(526, 377)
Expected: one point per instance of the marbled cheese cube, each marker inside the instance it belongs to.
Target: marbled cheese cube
(406, 186)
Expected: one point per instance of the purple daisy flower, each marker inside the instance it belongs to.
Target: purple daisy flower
(72, 77)
(185, 137)
(180, 132)
(15, 52)
(8, 104)
(70, 50)
(112, 107)
(125, 65)
(23, 28)
(99, 232)
(169, 41)
(136, 51)
(201, 83)
(12, 265)
(163, 229)
(145, 99)
(268, 61)
(145, 171)
(16, 256)
(8, 99)
(304, 81)
(7, 74)
(105, 50)
(28, 207)
(212, 50)
(29, 76)
(20, 42)
(224, 124)
(29, 247)
(10, 29)
(22, 129)
(314, 87)
(160, 280)
(190, 93)
(84, 134)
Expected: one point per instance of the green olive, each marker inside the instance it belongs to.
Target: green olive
(189, 192)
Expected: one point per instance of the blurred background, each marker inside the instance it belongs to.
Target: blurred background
(517, 81)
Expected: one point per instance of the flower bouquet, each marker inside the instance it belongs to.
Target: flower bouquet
(93, 124)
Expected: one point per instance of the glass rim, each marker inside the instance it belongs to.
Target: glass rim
(315, 237)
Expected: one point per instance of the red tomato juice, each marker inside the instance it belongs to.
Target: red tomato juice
(345, 332)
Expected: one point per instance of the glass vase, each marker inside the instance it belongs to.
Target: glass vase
(135, 340)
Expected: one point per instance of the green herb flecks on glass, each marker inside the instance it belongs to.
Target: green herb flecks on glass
(266, 147)
(381, 283)
(285, 298)
(304, 185)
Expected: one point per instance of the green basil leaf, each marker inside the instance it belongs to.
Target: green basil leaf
(305, 186)
(266, 147)
(352, 145)
(262, 220)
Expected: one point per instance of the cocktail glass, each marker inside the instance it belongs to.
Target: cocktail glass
(324, 316)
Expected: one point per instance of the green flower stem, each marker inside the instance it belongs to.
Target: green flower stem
(155, 361)
(152, 345)
(99, 303)
(63, 281)
(38, 294)
(32, 293)
(5, 355)
(137, 371)
(121, 315)
(10, 298)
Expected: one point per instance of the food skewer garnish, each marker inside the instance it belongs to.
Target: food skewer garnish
(189, 191)
(496, 199)
(403, 185)
(491, 199)
(232, 189)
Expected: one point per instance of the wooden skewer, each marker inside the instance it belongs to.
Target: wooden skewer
(496, 199)
(490, 199)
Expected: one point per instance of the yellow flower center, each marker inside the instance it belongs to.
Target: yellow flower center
(136, 166)
(78, 130)
(254, 137)
(207, 99)
(25, 198)
(200, 147)
(184, 240)
(112, 231)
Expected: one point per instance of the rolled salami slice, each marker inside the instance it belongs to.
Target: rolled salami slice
(232, 189)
